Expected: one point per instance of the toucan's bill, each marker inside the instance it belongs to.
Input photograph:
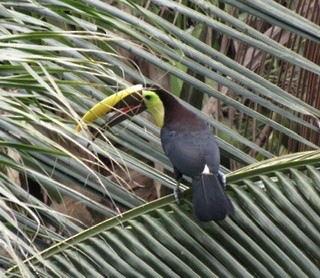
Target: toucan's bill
(125, 103)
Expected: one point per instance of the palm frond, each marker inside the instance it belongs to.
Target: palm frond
(58, 58)
(274, 231)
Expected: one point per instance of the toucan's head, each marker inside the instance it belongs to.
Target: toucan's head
(154, 106)
(124, 104)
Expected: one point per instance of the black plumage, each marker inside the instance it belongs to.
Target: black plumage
(186, 139)
(188, 142)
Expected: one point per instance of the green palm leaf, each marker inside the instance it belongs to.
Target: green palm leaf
(58, 58)
(274, 231)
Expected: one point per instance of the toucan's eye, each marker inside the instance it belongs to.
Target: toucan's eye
(147, 97)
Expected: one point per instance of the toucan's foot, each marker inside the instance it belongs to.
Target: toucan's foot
(222, 179)
(177, 194)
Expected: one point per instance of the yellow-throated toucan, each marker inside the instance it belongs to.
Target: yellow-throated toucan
(186, 139)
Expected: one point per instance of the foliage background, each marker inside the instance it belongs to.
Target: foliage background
(250, 66)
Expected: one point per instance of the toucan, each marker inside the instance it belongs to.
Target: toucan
(186, 139)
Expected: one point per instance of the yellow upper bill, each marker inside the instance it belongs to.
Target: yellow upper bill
(106, 105)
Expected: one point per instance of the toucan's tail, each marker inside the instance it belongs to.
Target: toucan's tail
(209, 199)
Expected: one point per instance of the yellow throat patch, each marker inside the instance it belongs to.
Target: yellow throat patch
(154, 106)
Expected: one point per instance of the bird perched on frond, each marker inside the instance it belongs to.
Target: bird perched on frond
(186, 139)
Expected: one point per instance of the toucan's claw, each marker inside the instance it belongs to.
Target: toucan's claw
(177, 194)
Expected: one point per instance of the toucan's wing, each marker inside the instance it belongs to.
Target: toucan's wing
(189, 152)
(211, 152)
